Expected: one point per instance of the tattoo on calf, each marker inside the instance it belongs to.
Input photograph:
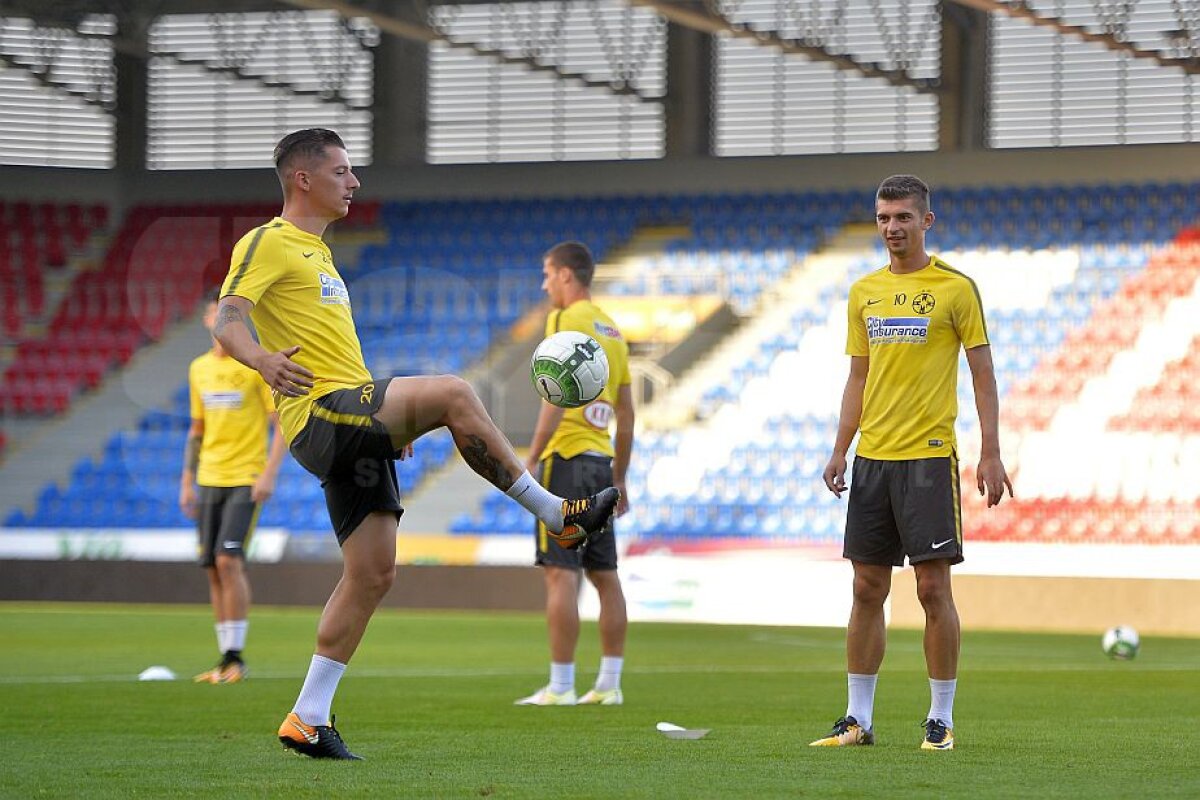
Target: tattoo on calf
(476, 454)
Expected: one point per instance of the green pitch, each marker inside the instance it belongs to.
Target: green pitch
(428, 703)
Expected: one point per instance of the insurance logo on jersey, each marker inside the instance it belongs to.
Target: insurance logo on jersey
(898, 330)
(333, 291)
(222, 400)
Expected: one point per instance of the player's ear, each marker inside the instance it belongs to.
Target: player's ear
(929, 218)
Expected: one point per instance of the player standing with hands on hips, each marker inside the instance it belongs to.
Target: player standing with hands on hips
(906, 323)
(346, 427)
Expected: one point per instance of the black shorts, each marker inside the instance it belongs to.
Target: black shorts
(351, 452)
(571, 479)
(227, 517)
(904, 508)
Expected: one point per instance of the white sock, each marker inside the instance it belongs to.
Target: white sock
(862, 698)
(316, 696)
(237, 633)
(539, 502)
(941, 704)
(562, 676)
(222, 637)
(610, 673)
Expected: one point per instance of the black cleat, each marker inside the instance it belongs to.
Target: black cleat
(314, 741)
(586, 517)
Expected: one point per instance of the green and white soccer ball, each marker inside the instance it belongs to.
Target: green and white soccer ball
(1121, 642)
(569, 369)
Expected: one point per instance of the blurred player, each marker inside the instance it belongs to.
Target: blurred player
(345, 427)
(226, 453)
(907, 322)
(577, 458)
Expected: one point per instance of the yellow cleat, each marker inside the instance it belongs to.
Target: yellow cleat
(597, 697)
(937, 735)
(208, 676)
(233, 672)
(545, 697)
(846, 733)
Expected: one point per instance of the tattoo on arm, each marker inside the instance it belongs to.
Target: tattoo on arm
(225, 315)
(191, 453)
(476, 454)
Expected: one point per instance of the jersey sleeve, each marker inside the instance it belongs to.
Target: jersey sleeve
(856, 332)
(194, 401)
(553, 319)
(258, 261)
(969, 323)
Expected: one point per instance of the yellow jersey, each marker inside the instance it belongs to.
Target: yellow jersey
(299, 299)
(911, 327)
(235, 404)
(585, 429)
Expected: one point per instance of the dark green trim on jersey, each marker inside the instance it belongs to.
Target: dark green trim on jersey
(942, 265)
(250, 254)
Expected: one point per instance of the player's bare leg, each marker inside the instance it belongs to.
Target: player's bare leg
(866, 634)
(235, 606)
(415, 406)
(216, 596)
(614, 623)
(866, 640)
(562, 612)
(368, 570)
(942, 636)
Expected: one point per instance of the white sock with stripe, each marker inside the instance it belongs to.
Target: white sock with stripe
(237, 634)
(941, 703)
(562, 677)
(316, 696)
(539, 502)
(862, 698)
(610, 673)
(222, 637)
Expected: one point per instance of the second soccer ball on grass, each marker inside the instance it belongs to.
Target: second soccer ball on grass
(569, 369)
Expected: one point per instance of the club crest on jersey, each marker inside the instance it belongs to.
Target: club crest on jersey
(898, 330)
(333, 291)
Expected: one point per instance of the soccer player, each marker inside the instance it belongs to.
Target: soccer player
(573, 454)
(907, 322)
(226, 453)
(342, 425)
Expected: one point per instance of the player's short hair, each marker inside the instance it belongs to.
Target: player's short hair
(902, 187)
(303, 146)
(576, 257)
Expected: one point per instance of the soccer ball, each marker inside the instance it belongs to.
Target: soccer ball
(1121, 642)
(569, 369)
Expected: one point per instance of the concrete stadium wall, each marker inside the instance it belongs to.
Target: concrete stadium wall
(294, 584)
(993, 602)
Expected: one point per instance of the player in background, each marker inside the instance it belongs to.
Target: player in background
(226, 454)
(906, 324)
(574, 456)
(346, 427)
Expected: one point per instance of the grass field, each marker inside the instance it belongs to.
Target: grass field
(428, 703)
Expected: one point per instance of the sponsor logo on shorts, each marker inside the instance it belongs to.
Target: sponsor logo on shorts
(898, 330)
(333, 291)
(940, 545)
